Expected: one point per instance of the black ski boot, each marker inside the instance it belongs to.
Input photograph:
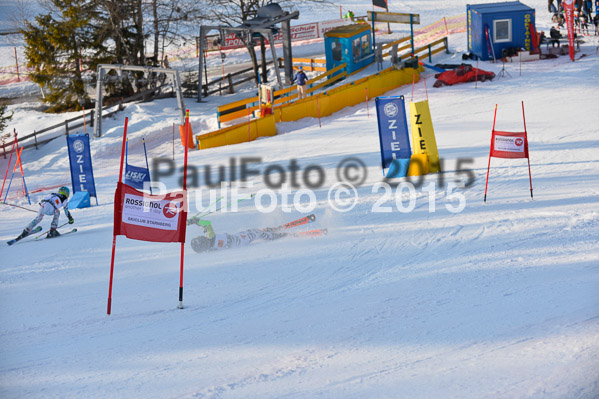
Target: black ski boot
(52, 233)
(24, 234)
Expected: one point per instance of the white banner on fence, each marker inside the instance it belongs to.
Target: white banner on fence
(312, 30)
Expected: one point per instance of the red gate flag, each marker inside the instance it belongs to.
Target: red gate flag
(508, 145)
(157, 218)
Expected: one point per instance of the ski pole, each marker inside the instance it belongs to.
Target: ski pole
(17, 206)
(208, 207)
(46, 232)
(216, 210)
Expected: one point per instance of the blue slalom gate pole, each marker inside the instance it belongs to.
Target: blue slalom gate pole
(147, 165)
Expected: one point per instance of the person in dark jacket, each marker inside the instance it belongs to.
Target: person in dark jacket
(301, 79)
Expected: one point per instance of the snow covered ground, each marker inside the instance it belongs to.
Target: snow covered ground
(500, 300)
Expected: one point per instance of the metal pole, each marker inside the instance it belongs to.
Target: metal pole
(17, 62)
(98, 113)
(412, 32)
(200, 63)
(271, 39)
(287, 54)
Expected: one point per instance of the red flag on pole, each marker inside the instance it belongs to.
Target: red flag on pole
(569, 15)
(145, 217)
(508, 145)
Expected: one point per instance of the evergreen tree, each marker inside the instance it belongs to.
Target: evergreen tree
(4, 119)
(55, 47)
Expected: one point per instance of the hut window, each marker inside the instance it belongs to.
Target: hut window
(502, 30)
(337, 54)
(366, 45)
(356, 48)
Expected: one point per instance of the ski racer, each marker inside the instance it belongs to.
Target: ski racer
(51, 206)
(213, 242)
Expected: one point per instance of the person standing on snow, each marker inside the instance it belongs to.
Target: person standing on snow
(214, 242)
(51, 206)
(301, 79)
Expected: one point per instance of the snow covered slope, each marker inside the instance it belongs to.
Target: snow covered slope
(500, 300)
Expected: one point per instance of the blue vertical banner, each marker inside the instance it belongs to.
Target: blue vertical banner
(82, 173)
(393, 135)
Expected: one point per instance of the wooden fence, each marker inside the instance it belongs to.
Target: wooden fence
(65, 128)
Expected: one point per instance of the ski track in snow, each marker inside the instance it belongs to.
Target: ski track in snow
(497, 301)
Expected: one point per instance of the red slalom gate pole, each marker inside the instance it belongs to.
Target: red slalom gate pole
(249, 126)
(413, 81)
(183, 205)
(8, 166)
(425, 89)
(527, 153)
(318, 108)
(109, 305)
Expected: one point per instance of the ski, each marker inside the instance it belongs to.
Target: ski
(61, 234)
(298, 222)
(36, 230)
(310, 233)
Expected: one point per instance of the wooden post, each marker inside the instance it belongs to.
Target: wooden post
(231, 91)
(84, 126)
(17, 62)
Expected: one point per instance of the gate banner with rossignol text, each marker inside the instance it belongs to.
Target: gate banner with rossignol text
(136, 176)
(509, 145)
(423, 135)
(82, 172)
(157, 218)
(393, 135)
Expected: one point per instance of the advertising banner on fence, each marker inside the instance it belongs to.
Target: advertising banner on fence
(82, 172)
(423, 135)
(312, 30)
(393, 135)
(157, 218)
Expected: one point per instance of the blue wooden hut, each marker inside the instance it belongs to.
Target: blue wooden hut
(349, 44)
